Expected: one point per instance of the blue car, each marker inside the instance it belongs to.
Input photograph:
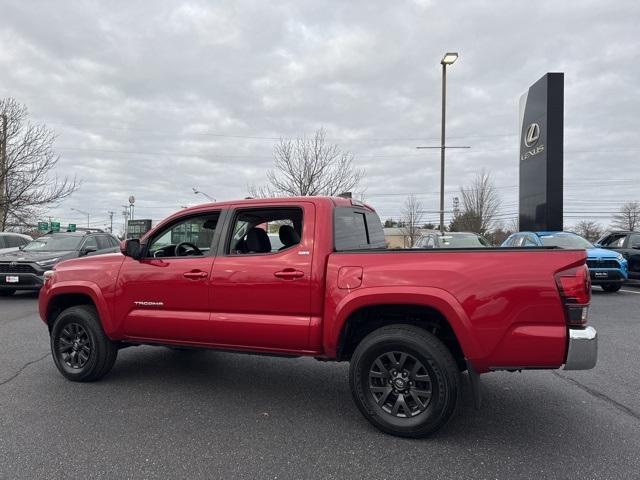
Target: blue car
(607, 268)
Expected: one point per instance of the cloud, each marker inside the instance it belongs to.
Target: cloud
(152, 98)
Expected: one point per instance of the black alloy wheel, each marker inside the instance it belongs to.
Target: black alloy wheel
(74, 346)
(81, 350)
(404, 381)
(400, 384)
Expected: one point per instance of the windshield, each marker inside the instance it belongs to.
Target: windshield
(565, 240)
(54, 243)
(463, 241)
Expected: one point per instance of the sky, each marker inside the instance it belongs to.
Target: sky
(154, 98)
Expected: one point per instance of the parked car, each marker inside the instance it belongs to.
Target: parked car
(627, 244)
(24, 269)
(407, 320)
(607, 268)
(10, 242)
(452, 240)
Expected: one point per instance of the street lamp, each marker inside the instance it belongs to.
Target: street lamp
(82, 212)
(196, 192)
(448, 59)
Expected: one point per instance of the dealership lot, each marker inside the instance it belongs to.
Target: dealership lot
(167, 414)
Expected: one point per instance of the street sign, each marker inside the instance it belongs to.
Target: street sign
(71, 227)
(55, 226)
(137, 228)
(43, 226)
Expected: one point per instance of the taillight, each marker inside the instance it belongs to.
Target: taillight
(574, 285)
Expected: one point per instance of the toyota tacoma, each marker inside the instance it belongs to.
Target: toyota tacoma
(408, 321)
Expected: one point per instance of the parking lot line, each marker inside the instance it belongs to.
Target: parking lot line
(630, 291)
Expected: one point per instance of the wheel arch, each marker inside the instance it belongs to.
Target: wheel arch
(65, 296)
(433, 309)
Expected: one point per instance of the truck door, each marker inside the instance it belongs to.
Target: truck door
(261, 280)
(166, 295)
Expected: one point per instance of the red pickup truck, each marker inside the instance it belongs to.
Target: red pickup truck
(311, 276)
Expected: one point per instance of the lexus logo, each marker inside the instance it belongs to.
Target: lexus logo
(533, 135)
(13, 264)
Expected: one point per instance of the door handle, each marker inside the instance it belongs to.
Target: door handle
(195, 275)
(289, 274)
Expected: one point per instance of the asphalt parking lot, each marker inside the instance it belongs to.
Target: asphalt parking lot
(168, 414)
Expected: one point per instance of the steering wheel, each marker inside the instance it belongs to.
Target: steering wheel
(194, 250)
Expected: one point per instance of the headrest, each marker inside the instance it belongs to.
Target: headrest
(288, 236)
(258, 241)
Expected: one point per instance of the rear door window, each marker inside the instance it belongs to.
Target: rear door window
(13, 241)
(103, 242)
(356, 228)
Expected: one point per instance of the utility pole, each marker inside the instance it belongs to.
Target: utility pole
(3, 173)
(111, 220)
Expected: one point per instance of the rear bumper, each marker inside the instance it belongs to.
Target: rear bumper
(582, 353)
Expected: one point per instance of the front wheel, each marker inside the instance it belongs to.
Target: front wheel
(81, 350)
(404, 381)
(611, 287)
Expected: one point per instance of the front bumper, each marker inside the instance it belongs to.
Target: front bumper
(26, 281)
(598, 277)
(582, 353)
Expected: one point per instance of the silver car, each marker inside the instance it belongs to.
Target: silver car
(10, 241)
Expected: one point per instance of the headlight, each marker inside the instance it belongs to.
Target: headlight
(48, 263)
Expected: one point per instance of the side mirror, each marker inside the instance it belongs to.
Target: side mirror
(597, 245)
(132, 248)
(88, 250)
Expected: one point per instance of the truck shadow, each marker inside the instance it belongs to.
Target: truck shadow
(531, 410)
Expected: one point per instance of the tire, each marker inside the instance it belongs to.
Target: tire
(414, 405)
(611, 287)
(81, 350)
(6, 292)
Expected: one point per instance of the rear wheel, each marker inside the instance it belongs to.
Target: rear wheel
(611, 287)
(6, 292)
(404, 381)
(81, 350)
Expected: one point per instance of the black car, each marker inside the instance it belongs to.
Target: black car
(24, 269)
(627, 244)
(452, 240)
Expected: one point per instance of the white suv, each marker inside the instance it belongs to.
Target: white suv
(10, 242)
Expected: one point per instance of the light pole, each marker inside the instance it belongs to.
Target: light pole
(196, 192)
(448, 59)
(84, 213)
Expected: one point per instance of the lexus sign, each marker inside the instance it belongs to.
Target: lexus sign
(541, 154)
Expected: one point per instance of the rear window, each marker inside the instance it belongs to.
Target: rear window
(356, 229)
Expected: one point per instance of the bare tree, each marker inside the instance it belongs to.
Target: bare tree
(412, 214)
(309, 166)
(27, 185)
(628, 218)
(588, 229)
(480, 203)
